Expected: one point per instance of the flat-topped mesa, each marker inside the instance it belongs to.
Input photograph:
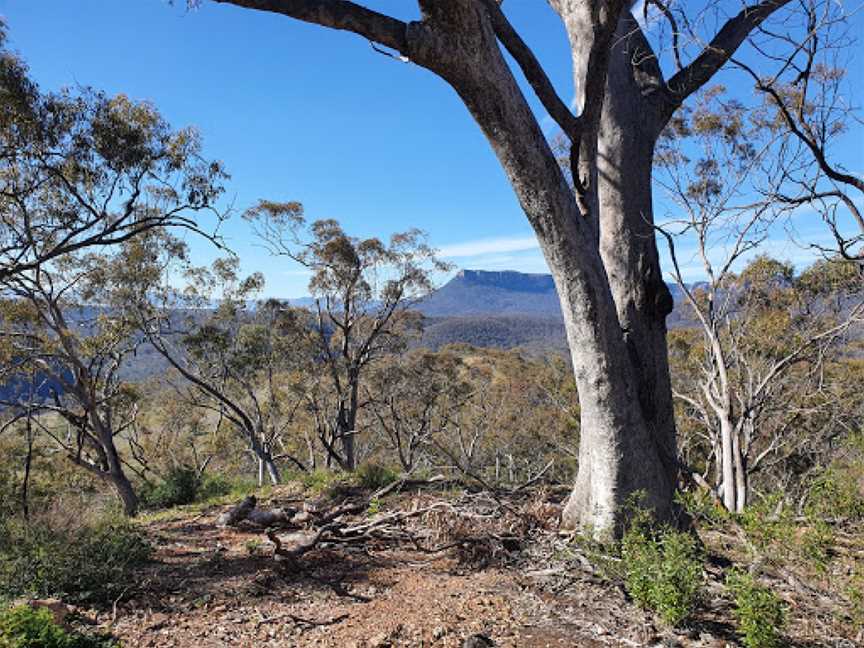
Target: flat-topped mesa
(508, 280)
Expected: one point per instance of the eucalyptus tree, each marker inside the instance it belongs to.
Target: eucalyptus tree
(758, 380)
(87, 182)
(411, 400)
(236, 358)
(364, 291)
(59, 324)
(759, 327)
(807, 102)
(596, 235)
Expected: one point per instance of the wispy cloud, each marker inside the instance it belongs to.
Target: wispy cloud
(482, 247)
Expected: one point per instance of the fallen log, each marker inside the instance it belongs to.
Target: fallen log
(270, 518)
(247, 511)
(235, 515)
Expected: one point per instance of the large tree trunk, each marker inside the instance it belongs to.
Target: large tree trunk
(629, 128)
(628, 438)
(625, 150)
(617, 456)
(617, 453)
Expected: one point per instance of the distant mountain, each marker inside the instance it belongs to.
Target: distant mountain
(506, 309)
(480, 292)
(502, 310)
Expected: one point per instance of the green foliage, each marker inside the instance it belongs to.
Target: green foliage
(815, 544)
(183, 485)
(80, 561)
(28, 627)
(701, 506)
(319, 480)
(215, 486)
(253, 546)
(837, 493)
(374, 507)
(375, 476)
(179, 486)
(768, 523)
(662, 568)
(855, 595)
(760, 613)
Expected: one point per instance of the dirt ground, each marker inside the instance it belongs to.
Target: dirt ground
(210, 586)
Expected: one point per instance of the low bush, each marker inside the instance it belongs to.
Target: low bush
(28, 627)
(815, 544)
(319, 480)
(375, 476)
(74, 559)
(662, 568)
(179, 486)
(759, 612)
(701, 506)
(213, 486)
(769, 523)
(855, 596)
(837, 493)
(183, 485)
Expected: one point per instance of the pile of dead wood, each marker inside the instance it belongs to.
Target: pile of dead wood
(480, 525)
(343, 523)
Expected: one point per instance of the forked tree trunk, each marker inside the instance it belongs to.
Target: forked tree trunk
(727, 461)
(265, 460)
(626, 139)
(617, 454)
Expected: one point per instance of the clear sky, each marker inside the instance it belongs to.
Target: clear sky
(298, 112)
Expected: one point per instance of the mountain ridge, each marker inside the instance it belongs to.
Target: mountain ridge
(501, 292)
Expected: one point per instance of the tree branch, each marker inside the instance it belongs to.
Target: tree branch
(724, 44)
(533, 71)
(337, 14)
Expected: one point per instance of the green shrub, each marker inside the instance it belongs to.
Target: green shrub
(759, 612)
(837, 493)
(253, 546)
(700, 505)
(375, 476)
(78, 561)
(319, 480)
(27, 627)
(374, 507)
(815, 544)
(184, 485)
(662, 568)
(855, 595)
(213, 486)
(769, 523)
(179, 486)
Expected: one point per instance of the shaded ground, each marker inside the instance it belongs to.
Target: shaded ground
(210, 586)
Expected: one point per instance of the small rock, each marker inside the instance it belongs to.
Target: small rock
(439, 632)
(380, 641)
(478, 641)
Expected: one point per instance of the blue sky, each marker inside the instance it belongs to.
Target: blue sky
(297, 112)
